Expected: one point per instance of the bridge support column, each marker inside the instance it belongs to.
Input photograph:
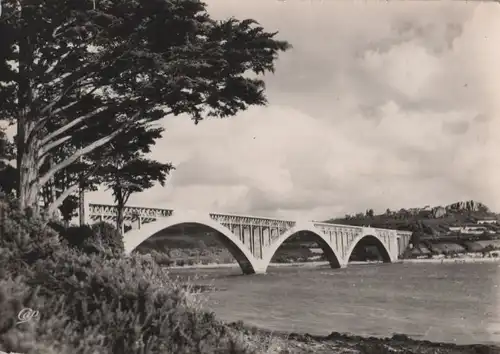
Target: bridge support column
(260, 271)
(259, 267)
(249, 268)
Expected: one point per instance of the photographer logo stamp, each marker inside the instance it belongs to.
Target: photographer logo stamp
(26, 315)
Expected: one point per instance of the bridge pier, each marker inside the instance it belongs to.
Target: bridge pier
(257, 268)
(138, 223)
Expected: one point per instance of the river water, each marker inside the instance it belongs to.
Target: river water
(437, 302)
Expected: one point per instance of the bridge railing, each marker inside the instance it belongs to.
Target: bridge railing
(232, 219)
(326, 224)
(110, 210)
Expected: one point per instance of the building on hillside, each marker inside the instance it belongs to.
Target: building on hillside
(475, 227)
(438, 212)
(413, 211)
(468, 229)
(473, 231)
(487, 221)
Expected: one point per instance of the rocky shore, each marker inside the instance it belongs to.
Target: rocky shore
(293, 343)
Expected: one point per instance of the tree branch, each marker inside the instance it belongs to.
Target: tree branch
(45, 149)
(126, 196)
(71, 124)
(56, 203)
(89, 148)
(63, 108)
(85, 76)
(63, 57)
(72, 86)
(42, 121)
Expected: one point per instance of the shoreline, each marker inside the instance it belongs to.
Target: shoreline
(458, 260)
(315, 264)
(337, 342)
(236, 265)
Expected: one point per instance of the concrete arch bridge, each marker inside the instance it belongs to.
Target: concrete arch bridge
(252, 240)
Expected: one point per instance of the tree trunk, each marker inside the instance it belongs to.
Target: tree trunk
(28, 186)
(81, 201)
(3, 212)
(53, 186)
(120, 207)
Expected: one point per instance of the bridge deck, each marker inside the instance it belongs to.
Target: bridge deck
(149, 214)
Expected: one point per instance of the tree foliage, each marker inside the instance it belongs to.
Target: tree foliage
(127, 169)
(8, 173)
(132, 176)
(76, 76)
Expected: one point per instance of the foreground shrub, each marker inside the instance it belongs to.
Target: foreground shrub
(109, 238)
(93, 304)
(25, 240)
(55, 333)
(133, 304)
(100, 238)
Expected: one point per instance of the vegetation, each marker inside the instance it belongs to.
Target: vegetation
(435, 229)
(431, 221)
(91, 303)
(129, 171)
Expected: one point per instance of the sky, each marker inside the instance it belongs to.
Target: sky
(378, 105)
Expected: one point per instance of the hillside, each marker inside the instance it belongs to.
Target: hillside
(462, 219)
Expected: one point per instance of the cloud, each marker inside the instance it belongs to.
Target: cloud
(378, 105)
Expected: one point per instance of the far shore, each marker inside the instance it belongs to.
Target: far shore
(452, 260)
(316, 264)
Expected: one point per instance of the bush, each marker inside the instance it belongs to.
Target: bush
(77, 237)
(55, 333)
(101, 238)
(90, 304)
(132, 303)
(24, 241)
(27, 241)
(110, 238)
(161, 258)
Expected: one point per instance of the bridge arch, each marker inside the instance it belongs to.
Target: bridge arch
(323, 242)
(376, 241)
(248, 263)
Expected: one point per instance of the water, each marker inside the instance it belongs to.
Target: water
(437, 302)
